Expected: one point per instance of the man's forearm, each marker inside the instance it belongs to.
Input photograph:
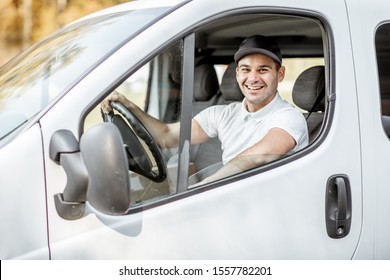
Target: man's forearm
(166, 135)
(240, 164)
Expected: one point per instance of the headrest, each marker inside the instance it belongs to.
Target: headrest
(205, 82)
(229, 86)
(308, 86)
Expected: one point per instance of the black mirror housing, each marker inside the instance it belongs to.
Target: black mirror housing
(107, 166)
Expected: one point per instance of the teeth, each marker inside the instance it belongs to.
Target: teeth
(254, 88)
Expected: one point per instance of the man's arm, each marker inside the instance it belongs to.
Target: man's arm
(166, 135)
(276, 143)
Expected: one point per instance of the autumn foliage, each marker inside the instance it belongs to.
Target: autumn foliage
(23, 22)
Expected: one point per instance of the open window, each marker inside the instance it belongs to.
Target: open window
(302, 42)
(157, 89)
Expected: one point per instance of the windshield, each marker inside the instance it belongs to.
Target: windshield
(37, 76)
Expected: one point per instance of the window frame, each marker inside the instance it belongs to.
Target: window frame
(188, 36)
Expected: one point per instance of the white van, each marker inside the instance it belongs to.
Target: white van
(75, 186)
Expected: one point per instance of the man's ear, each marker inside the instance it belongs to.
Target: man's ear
(281, 73)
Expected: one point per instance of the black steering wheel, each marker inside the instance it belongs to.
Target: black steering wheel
(138, 158)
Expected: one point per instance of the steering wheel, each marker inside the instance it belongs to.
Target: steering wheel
(138, 158)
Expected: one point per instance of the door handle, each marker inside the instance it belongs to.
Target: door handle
(338, 206)
(342, 201)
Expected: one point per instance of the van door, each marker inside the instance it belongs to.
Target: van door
(23, 233)
(370, 31)
(305, 206)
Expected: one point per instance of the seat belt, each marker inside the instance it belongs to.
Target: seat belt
(317, 102)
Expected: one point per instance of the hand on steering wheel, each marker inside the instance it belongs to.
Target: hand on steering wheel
(139, 160)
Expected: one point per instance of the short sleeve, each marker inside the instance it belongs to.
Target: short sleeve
(292, 121)
(207, 120)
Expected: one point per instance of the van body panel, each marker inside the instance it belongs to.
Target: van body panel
(275, 212)
(23, 233)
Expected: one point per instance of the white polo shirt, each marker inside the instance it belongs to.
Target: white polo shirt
(238, 129)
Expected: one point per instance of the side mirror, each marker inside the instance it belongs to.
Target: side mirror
(97, 171)
(105, 159)
(64, 150)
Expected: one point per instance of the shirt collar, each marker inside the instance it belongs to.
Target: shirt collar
(263, 112)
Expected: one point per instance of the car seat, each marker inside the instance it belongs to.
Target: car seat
(206, 86)
(229, 90)
(309, 94)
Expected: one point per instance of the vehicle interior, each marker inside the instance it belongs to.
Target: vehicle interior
(301, 43)
(156, 87)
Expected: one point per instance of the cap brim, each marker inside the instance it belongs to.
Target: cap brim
(241, 53)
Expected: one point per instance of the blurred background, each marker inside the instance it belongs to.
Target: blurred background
(24, 22)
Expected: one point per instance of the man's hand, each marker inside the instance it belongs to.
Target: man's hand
(117, 97)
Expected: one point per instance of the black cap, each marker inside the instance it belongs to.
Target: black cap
(259, 44)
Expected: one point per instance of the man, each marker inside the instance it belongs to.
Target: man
(258, 130)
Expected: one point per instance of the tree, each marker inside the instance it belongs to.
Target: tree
(23, 22)
(27, 22)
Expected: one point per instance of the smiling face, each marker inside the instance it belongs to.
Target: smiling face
(258, 77)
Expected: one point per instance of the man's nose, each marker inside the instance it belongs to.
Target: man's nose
(254, 76)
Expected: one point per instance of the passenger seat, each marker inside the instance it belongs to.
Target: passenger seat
(206, 86)
(309, 89)
(229, 90)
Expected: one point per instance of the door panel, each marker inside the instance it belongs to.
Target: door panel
(23, 198)
(277, 213)
(373, 104)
